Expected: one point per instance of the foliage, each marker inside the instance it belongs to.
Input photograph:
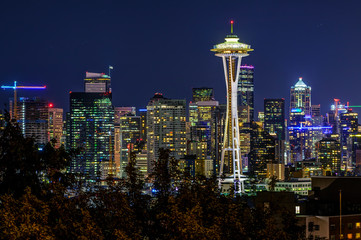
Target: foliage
(34, 202)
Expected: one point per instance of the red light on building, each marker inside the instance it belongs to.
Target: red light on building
(51, 105)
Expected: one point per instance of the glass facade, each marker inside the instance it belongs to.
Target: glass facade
(246, 89)
(90, 127)
(33, 119)
(274, 117)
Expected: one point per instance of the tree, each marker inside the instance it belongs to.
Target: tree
(25, 218)
(23, 165)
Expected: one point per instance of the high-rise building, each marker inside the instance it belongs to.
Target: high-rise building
(97, 82)
(201, 111)
(300, 125)
(274, 117)
(129, 139)
(201, 128)
(33, 119)
(354, 144)
(262, 151)
(202, 94)
(246, 89)
(329, 154)
(231, 51)
(166, 127)
(300, 103)
(90, 127)
(55, 125)
(348, 125)
(143, 123)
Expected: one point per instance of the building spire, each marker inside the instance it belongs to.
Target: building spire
(232, 26)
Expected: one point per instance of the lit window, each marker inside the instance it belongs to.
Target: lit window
(358, 225)
(349, 236)
(358, 236)
(297, 209)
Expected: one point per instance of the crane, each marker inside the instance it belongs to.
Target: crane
(15, 87)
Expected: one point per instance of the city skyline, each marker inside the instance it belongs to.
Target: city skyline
(57, 53)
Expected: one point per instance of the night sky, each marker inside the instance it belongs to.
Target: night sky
(163, 46)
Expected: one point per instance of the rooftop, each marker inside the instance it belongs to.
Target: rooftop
(300, 83)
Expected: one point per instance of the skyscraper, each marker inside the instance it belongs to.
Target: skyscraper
(329, 154)
(348, 125)
(262, 151)
(246, 89)
(300, 103)
(300, 125)
(274, 117)
(202, 129)
(90, 127)
(129, 138)
(231, 51)
(33, 119)
(166, 127)
(55, 124)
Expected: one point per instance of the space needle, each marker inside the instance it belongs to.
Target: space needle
(231, 51)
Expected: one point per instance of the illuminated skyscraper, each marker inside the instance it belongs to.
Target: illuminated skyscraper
(300, 124)
(166, 127)
(33, 119)
(300, 103)
(129, 138)
(231, 51)
(246, 89)
(329, 154)
(348, 125)
(274, 117)
(126, 135)
(55, 124)
(262, 151)
(90, 127)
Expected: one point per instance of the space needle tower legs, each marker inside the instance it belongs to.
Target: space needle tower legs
(231, 52)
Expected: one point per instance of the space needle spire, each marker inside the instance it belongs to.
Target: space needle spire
(231, 51)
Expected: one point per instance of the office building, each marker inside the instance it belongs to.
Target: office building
(262, 151)
(348, 125)
(246, 89)
(300, 101)
(143, 125)
(274, 117)
(33, 119)
(166, 127)
(329, 154)
(129, 139)
(201, 111)
(300, 125)
(90, 127)
(55, 124)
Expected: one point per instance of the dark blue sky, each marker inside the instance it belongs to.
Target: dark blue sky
(163, 46)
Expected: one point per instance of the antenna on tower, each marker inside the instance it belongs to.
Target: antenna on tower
(232, 26)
